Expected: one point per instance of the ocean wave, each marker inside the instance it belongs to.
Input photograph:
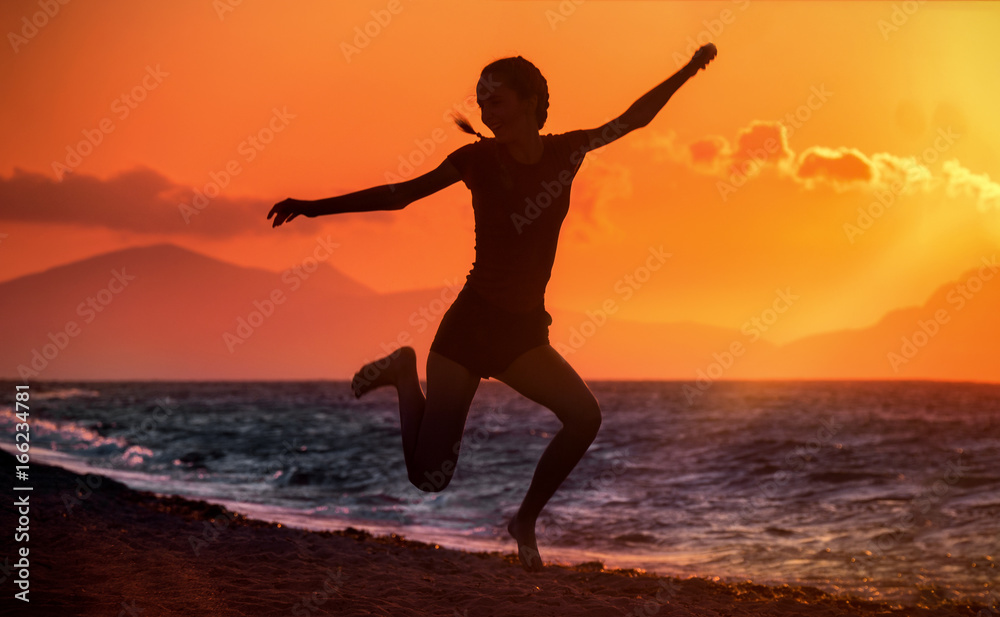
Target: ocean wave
(747, 487)
(61, 435)
(64, 393)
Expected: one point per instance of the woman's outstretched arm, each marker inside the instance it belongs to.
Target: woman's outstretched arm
(384, 197)
(645, 109)
(648, 105)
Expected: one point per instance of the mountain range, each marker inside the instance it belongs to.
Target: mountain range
(163, 312)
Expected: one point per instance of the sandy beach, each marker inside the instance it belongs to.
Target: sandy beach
(100, 548)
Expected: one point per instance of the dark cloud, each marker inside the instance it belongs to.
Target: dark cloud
(140, 200)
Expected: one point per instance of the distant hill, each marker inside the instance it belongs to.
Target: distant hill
(954, 335)
(164, 312)
(169, 321)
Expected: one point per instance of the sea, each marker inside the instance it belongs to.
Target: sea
(879, 490)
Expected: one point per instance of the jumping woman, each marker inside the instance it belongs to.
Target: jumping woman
(498, 326)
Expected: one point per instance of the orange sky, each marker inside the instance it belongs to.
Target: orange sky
(874, 86)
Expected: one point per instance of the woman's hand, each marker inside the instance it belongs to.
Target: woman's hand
(286, 210)
(701, 58)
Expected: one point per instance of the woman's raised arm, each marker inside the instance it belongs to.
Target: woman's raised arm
(648, 105)
(384, 197)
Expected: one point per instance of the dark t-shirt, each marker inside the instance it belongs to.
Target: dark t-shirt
(518, 209)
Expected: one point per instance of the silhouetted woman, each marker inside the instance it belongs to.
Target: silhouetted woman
(498, 326)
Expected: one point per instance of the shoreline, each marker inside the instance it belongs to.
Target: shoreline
(98, 547)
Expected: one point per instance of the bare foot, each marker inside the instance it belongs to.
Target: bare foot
(384, 371)
(527, 546)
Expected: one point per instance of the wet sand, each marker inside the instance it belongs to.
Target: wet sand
(100, 548)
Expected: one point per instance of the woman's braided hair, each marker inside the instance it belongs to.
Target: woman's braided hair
(526, 80)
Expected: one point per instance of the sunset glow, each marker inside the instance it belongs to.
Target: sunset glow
(845, 153)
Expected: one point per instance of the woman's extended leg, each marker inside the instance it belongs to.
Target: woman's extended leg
(543, 376)
(431, 427)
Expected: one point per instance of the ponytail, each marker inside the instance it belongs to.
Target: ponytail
(466, 126)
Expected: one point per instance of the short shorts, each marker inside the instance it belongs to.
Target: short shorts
(485, 338)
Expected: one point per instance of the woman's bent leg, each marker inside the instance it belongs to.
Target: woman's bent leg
(431, 426)
(543, 376)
